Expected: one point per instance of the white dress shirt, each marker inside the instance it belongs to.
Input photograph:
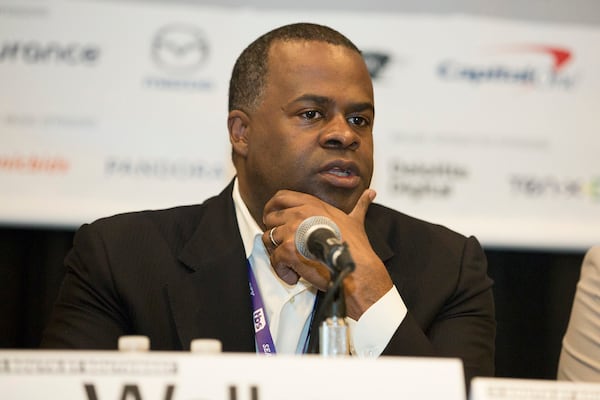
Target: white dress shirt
(289, 307)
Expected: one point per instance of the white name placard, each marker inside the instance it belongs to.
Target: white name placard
(531, 389)
(95, 375)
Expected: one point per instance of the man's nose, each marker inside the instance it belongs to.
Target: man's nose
(338, 134)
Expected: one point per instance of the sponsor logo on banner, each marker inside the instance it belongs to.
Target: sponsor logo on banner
(34, 52)
(23, 11)
(78, 122)
(180, 51)
(179, 48)
(34, 164)
(537, 187)
(420, 180)
(550, 72)
(162, 169)
(376, 62)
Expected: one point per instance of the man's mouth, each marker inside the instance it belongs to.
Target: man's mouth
(340, 172)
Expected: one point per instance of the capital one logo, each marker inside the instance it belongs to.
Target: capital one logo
(179, 48)
(513, 70)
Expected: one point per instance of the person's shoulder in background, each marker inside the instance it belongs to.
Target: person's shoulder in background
(580, 355)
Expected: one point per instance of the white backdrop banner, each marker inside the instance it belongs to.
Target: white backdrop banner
(488, 126)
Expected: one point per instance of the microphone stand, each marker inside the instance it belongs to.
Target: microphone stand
(333, 332)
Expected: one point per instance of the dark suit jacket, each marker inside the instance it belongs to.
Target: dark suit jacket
(179, 274)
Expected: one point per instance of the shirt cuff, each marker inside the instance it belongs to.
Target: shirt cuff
(372, 332)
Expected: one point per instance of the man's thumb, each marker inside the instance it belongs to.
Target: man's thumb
(362, 205)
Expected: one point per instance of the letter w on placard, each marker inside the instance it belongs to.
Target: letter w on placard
(130, 392)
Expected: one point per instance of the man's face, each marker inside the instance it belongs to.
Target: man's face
(313, 130)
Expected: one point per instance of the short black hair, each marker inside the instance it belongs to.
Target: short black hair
(248, 78)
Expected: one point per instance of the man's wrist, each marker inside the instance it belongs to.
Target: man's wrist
(372, 332)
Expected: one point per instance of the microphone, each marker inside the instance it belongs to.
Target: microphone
(319, 238)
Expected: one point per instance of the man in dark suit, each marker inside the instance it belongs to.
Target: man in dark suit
(300, 121)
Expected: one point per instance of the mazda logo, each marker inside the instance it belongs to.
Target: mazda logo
(179, 48)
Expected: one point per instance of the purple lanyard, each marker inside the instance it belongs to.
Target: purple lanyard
(262, 333)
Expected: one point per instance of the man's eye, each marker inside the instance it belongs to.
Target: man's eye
(358, 121)
(311, 114)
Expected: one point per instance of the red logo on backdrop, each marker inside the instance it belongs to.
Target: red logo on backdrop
(514, 70)
(34, 164)
(560, 56)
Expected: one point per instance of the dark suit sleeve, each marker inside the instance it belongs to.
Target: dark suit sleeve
(87, 313)
(463, 327)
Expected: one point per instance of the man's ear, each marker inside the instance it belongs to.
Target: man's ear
(238, 124)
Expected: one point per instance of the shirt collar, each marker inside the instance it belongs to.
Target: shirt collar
(251, 232)
(248, 226)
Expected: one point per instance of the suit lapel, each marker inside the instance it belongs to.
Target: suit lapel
(210, 296)
(377, 240)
